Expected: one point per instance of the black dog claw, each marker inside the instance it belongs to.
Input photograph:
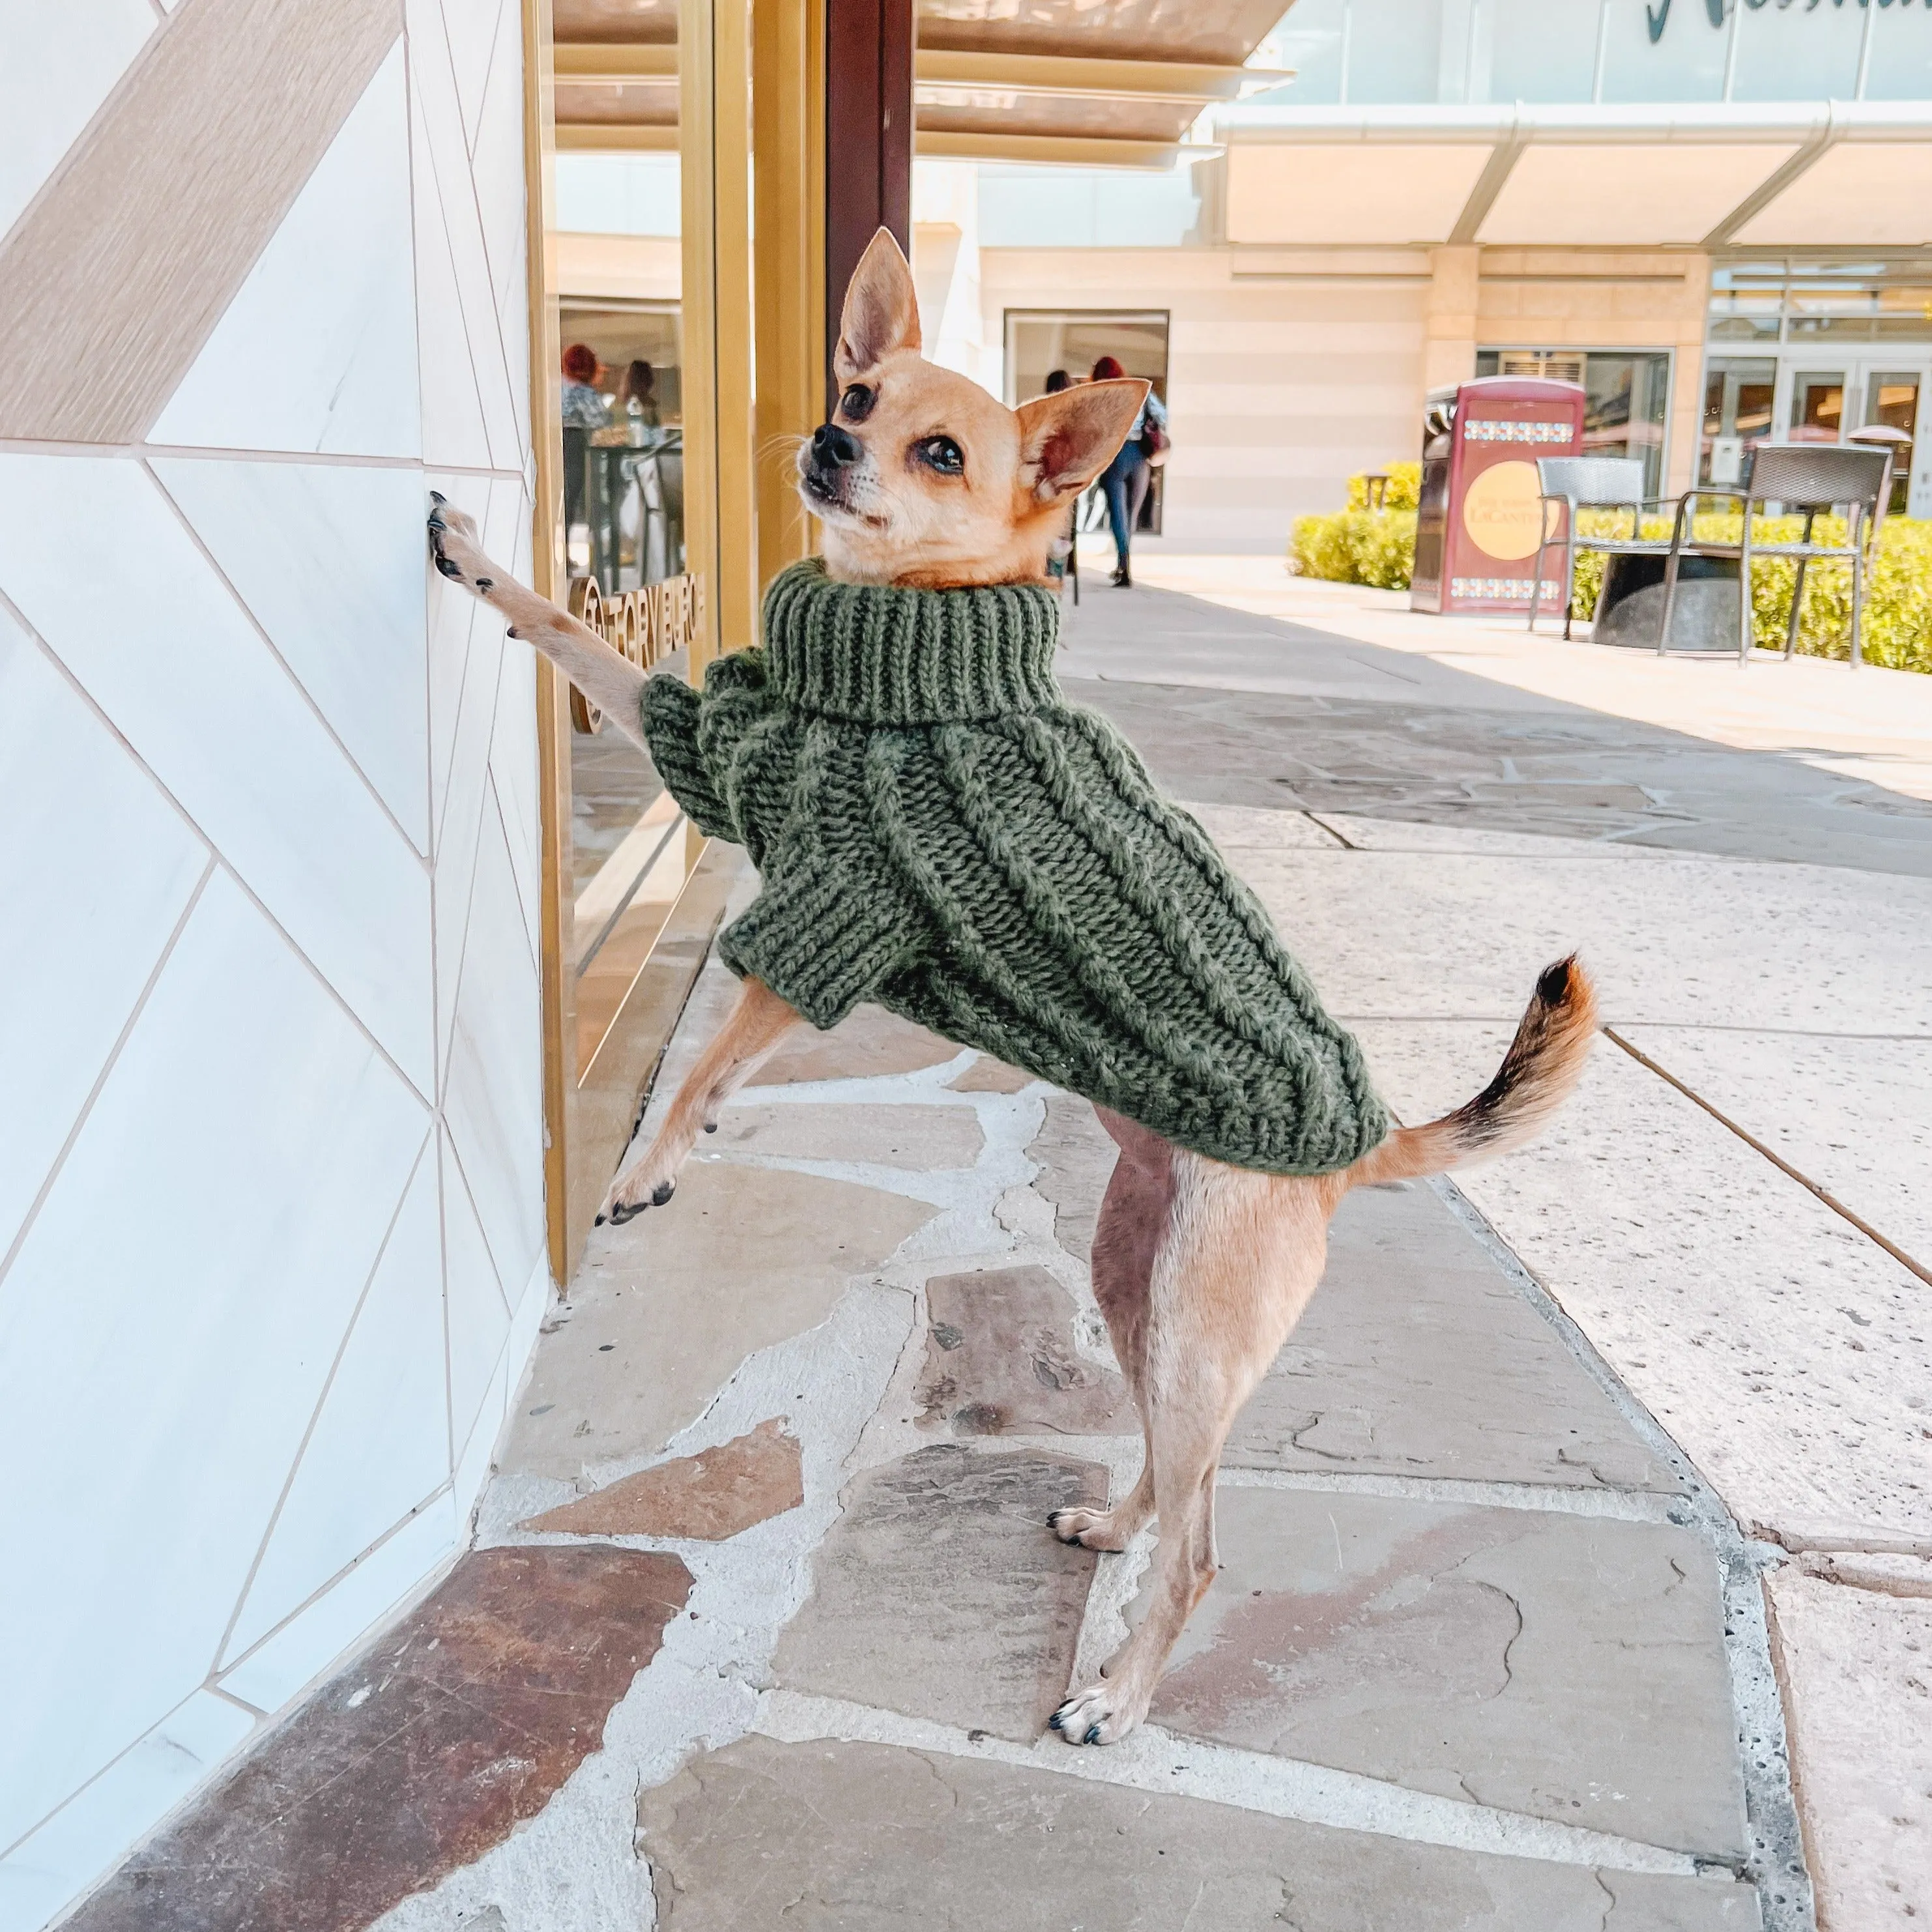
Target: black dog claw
(1093, 1736)
(626, 1210)
(662, 1193)
(448, 567)
(1053, 1722)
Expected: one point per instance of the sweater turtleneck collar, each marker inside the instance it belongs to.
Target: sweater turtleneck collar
(876, 655)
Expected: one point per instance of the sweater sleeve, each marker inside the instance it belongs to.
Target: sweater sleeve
(823, 940)
(692, 737)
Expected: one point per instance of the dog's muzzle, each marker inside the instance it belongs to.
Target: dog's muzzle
(831, 453)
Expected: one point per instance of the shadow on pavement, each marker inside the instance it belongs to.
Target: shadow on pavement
(1233, 709)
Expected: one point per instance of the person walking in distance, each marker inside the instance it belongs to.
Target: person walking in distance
(1124, 480)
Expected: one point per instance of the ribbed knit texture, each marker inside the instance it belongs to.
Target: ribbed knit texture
(939, 831)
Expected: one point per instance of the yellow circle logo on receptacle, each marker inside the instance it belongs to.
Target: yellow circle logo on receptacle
(1502, 511)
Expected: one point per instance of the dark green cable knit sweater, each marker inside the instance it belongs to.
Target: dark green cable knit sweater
(940, 832)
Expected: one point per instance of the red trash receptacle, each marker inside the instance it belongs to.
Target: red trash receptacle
(1479, 515)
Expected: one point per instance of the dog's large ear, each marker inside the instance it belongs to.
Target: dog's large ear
(881, 312)
(1067, 440)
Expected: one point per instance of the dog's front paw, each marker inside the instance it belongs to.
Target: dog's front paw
(1101, 1714)
(645, 1186)
(454, 546)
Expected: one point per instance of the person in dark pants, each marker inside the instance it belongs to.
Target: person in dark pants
(1124, 480)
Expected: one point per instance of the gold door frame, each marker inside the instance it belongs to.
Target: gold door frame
(751, 90)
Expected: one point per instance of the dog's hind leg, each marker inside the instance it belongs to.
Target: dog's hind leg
(760, 1020)
(1242, 1255)
(1133, 1217)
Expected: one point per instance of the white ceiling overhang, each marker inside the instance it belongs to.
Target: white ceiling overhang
(1830, 174)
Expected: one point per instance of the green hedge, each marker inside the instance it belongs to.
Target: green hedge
(1358, 546)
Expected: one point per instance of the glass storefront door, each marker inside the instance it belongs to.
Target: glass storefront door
(1893, 398)
(1739, 393)
(1811, 398)
(1816, 409)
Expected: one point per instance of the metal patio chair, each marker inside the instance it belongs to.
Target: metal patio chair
(1812, 477)
(1589, 483)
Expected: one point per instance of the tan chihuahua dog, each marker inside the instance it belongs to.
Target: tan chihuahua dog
(1201, 1269)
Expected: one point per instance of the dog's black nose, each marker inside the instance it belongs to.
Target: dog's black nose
(832, 448)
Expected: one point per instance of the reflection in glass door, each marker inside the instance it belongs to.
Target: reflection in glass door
(1817, 407)
(1739, 392)
(1891, 401)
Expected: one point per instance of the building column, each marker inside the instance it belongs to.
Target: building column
(1685, 425)
(1449, 317)
(869, 46)
(788, 83)
(714, 62)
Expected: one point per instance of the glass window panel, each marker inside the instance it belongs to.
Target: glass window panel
(1394, 50)
(1796, 52)
(1737, 414)
(1817, 405)
(1904, 312)
(1746, 302)
(1683, 60)
(1311, 41)
(1626, 396)
(1892, 402)
(1536, 50)
(1901, 68)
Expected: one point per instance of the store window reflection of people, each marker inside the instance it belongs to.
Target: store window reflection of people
(585, 411)
(637, 399)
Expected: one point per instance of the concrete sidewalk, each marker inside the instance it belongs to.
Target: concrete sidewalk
(763, 1624)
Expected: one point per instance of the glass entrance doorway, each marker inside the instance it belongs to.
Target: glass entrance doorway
(1812, 398)
(1826, 399)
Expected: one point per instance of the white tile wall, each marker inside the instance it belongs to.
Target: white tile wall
(270, 1213)
(318, 351)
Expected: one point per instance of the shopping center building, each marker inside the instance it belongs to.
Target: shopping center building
(339, 946)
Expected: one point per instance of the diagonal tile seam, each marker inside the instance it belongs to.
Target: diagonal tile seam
(220, 858)
(426, 1147)
(417, 1591)
(1776, 1861)
(1778, 1160)
(41, 445)
(443, 202)
(113, 1055)
(1277, 1787)
(275, 651)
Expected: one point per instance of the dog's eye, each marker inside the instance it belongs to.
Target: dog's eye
(942, 453)
(856, 404)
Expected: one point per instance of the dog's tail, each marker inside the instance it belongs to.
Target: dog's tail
(1538, 1074)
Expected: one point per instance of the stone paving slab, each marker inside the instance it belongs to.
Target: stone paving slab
(1567, 1667)
(1075, 1157)
(1419, 1356)
(865, 1837)
(940, 1592)
(1856, 1666)
(921, 1138)
(869, 1043)
(458, 1724)
(1000, 1360)
(704, 1497)
(667, 1306)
